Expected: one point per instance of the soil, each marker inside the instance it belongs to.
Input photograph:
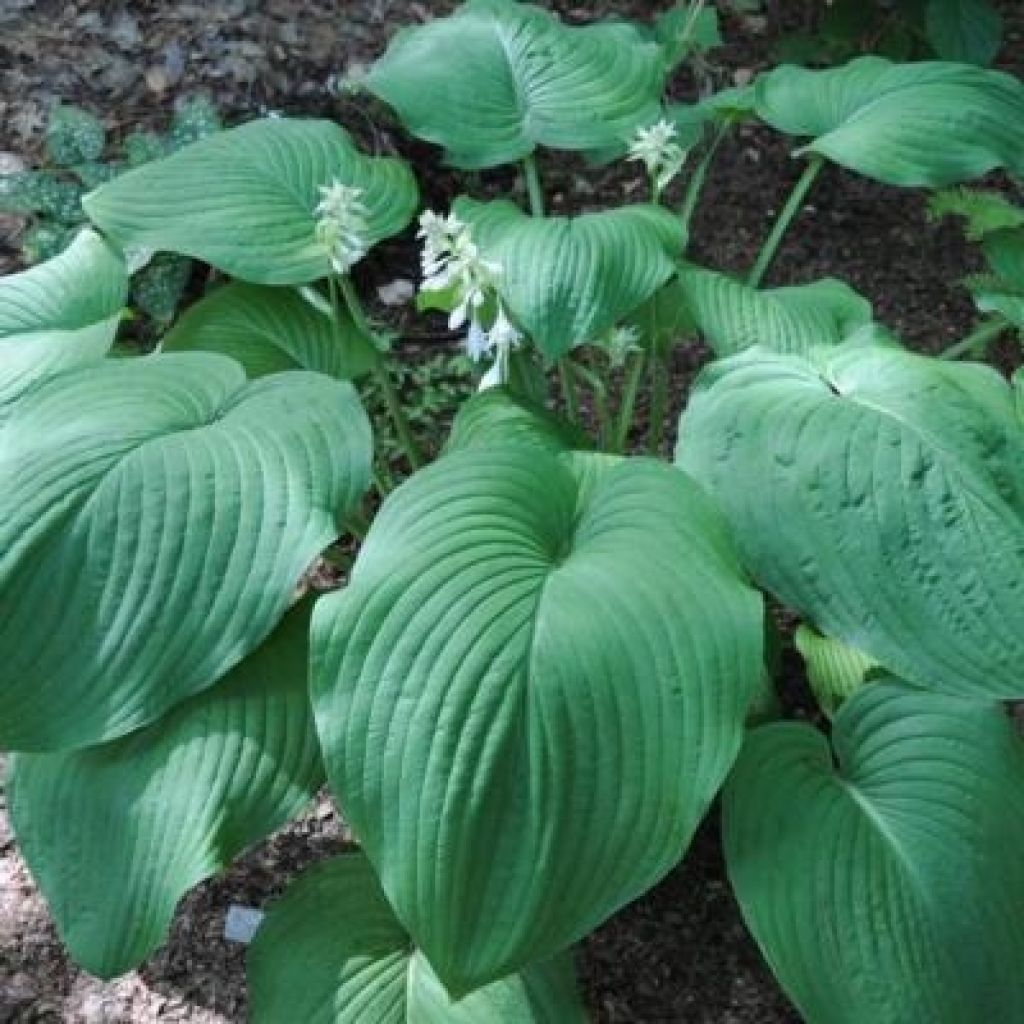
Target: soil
(681, 953)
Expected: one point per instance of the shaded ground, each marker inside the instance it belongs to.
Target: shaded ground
(680, 954)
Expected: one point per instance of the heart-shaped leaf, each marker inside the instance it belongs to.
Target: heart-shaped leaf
(244, 200)
(927, 123)
(796, 319)
(883, 881)
(156, 516)
(349, 961)
(880, 494)
(964, 30)
(114, 835)
(530, 692)
(272, 329)
(59, 314)
(497, 79)
(567, 280)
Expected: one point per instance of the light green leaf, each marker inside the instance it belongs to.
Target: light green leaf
(272, 329)
(1007, 305)
(926, 123)
(984, 211)
(349, 961)
(882, 878)
(964, 30)
(156, 516)
(880, 494)
(567, 280)
(795, 319)
(1004, 253)
(497, 79)
(530, 692)
(835, 670)
(114, 835)
(685, 29)
(244, 200)
(494, 417)
(59, 314)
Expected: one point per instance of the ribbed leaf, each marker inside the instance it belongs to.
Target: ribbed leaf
(983, 210)
(886, 888)
(964, 30)
(529, 694)
(880, 494)
(59, 314)
(155, 518)
(927, 123)
(835, 670)
(569, 279)
(494, 417)
(331, 952)
(498, 78)
(243, 200)
(272, 329)
(114, 835)
(1004, 251)
(795, 319)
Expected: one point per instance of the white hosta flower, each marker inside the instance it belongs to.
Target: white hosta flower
(619, 342)
(451, 259)
(341, 225)
(657, 149)
(498, 342)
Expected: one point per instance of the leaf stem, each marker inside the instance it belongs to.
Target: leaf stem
(785, 218)
(380, 371)
(978, 340)
(659, 401)
(569, 394)
(533, 186)
(696, 183)
(597, 387)
(630, 387)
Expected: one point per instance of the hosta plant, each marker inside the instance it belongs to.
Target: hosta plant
(549, 655)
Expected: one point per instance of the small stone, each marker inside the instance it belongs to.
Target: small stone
(157, 80)
(397, 292)
(241, 923)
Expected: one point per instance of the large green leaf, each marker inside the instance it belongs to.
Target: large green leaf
(796, 319)
(59, 314)
(964, 30)
(879, 493)
(114, 835)
(927, 123)
(332, 952)
(498, 78)
(882, 878)
(272, 329)
(494, 417)
(529, 694)
(244, 200)
(567, 280)
(156, 516)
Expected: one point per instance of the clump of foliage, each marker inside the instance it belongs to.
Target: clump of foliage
(549, 658)
(79, 158)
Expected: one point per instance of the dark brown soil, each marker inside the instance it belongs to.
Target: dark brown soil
(681, 953)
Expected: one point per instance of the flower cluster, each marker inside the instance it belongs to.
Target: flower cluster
(452, 261)
(341, 225)
(657, 149)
